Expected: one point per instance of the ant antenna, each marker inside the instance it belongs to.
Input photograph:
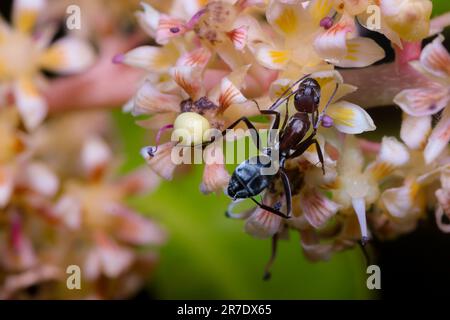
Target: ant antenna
(269, 264)
(280, 99)
(319, 120)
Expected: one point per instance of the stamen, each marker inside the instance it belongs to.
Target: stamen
(326, 23)
(327, 121)
(359, 205)
(118, 58)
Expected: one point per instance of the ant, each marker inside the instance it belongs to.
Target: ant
(247, 180)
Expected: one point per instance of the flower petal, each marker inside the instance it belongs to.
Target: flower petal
(95, 157)
(195, 58)
(361, 52)
(392, 155)
(160, 161)
(239, 37)
(393, 152)
(439, 138)
(139, 182)
(68, 55)
(350, 118)
(406, 202)
(423, 101)
(133, 228)
(215, 176)
(332, 44)
(68, 209)
(169, 27)
(415, 130)
(272, 58)
(190, 79)
(149, 100)
(114, 259)
(150, 58)
(436, 59)
(6, 185)
(286, 18)
(229, 95)
(39, 178)
(410, 19)
(25, 13)
(31, 105)
(316, 207)
(149, 19)
(278, 87)
(319, 9)
(312, 248)
(262, 224)
(355, 7)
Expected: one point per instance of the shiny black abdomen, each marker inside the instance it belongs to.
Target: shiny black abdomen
(248, 173)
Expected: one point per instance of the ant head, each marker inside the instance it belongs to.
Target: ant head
(307, 97)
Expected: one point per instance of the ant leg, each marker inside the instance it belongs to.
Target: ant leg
(303, 146)
(287, 191)
(273, 255)
(276, 123)
(270, 209)
(250, 126)
(234, 124)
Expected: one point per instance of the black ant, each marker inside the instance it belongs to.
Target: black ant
(247, 180)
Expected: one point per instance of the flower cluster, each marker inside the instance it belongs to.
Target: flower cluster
(25, 50)
(212, 63)
(61, 207)
(61, 202)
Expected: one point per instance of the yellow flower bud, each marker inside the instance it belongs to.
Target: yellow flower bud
(191, 127)
(409, 18)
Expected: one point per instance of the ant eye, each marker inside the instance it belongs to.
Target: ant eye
(316, 99)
